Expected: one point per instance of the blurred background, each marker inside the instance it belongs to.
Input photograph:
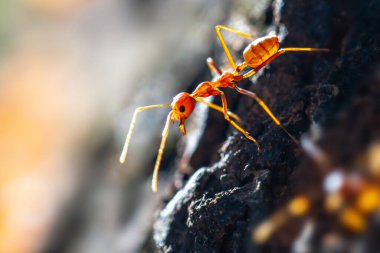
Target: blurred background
(71, 74)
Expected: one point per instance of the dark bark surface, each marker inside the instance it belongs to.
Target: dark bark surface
(338, 93)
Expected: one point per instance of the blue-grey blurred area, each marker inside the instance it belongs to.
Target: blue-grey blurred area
(71, 74)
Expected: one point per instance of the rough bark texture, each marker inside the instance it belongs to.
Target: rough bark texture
(338, 92)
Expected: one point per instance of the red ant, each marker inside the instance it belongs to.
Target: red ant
(257, 54)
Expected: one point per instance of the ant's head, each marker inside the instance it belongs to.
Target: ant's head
(182, 106)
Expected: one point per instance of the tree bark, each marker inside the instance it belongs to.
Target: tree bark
(335, 92)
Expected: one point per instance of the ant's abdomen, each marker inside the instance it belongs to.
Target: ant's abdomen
(261, 50)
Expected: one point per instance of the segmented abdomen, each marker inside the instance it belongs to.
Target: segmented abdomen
(261, 50)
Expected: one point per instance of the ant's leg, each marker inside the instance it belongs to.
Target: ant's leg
(165, 134)
(280, 52)
(233, 123)
(217, 108)
(266, 109)
(305, 49)
(298, 207)
(254, 71)
(214, 69)
(224, 45)
(132, 126)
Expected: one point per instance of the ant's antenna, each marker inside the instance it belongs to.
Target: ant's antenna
(165, 134)
(132, 126)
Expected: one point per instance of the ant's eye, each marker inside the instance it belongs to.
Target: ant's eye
(182, 108)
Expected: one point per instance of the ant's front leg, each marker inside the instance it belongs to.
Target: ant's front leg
(217, 108)
(233, 123)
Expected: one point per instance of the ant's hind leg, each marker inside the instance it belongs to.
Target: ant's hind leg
(254, 71)
(266, 109)
(218, 29)
(214, 69)
(305, 49)
(280, 52)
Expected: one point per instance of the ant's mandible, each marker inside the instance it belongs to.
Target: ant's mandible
(257, 54)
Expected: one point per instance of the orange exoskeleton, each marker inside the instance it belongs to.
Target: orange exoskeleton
(257, 54)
